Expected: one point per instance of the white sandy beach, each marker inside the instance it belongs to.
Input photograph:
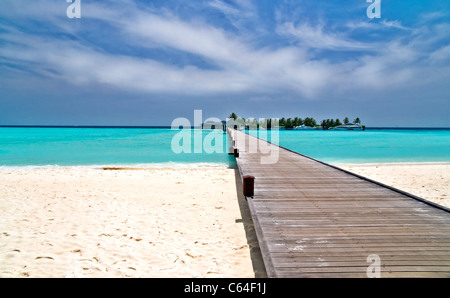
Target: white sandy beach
(86, 222)
(430, 181)
(79, 222)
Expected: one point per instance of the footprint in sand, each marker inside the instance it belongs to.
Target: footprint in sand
(44, 257)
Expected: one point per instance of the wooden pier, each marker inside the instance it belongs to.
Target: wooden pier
(316, 220)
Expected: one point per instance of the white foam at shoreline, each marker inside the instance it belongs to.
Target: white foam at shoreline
(174, 165)
(170, 165)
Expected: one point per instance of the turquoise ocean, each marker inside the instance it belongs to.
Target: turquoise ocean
(377, 145)
(62, 146)
(71, 146)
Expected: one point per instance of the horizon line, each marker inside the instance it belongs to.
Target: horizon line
(168, 126)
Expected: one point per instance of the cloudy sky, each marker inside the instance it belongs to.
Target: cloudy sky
(146, 62)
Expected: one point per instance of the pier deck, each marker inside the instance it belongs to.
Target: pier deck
(315, 220)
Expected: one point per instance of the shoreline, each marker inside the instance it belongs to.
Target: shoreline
(188, 165)
(147, 166)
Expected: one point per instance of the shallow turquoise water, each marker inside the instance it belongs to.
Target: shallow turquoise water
(370, 146)
(25, 146)
(106, 146)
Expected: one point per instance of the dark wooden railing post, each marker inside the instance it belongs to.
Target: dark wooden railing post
(248, 186)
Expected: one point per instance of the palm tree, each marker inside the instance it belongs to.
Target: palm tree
(357, 121)
(332, 123)
(288, 124)
(233, 116)
(346, 121)
(310, 122)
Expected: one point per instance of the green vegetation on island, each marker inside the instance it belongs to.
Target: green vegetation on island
(298, 123)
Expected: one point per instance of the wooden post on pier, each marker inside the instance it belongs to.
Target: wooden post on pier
(248, 185)
(236, 152)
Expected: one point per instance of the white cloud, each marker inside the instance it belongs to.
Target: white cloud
(440, 55)
(394, 24)
(240, 13)
(316, 37)
(227, 9)
(382, 25)
(240, 65)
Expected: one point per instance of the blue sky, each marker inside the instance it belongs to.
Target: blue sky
(148, 62)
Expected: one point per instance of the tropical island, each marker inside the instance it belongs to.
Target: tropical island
(298, 123)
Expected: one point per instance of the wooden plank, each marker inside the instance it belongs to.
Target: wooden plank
(359, 273)
(288, 274)
(351, 243)
(345, 269)
(324, 255)
(374, 240)
(355, 262)
(357, 249)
